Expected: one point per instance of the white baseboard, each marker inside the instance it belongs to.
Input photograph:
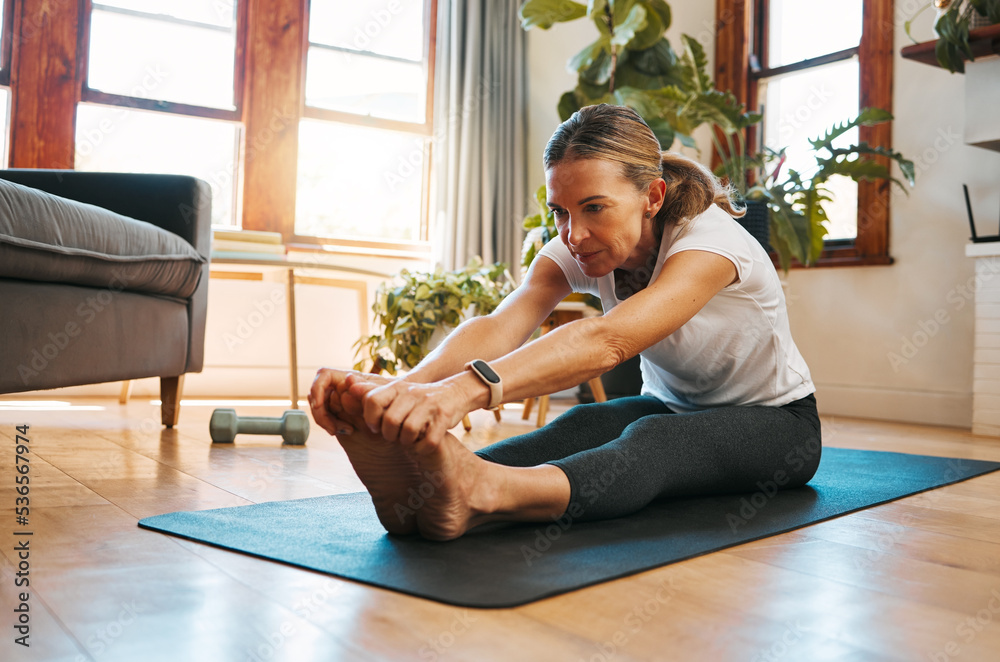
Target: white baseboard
(923, 407)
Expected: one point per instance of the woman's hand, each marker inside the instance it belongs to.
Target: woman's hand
(410, 412)
(333, 408)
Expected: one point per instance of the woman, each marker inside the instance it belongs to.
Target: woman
(727, 399)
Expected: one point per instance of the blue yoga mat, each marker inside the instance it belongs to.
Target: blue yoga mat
(511, 565)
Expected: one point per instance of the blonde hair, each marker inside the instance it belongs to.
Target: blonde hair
(619, 134)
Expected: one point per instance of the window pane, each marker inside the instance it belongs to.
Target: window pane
(395, 28)
(358, 183)
(802, 29)
(160, 58)
(804, 105)
(116, 139)
(214, 12)
(365, 85)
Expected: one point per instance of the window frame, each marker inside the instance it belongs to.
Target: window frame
(89, 95)
(741, 32)
(6, 42)
(423, 129)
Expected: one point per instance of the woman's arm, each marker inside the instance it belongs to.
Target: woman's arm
(507, 328)
(487, 337)
(576, 352)
(562, 358)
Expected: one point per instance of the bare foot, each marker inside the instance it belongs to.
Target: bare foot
(465, 488)
(394, 481)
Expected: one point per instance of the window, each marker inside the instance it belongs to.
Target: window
(806, 66)
(311, 118)
(6, 14)
(364, 137)
(161, 93)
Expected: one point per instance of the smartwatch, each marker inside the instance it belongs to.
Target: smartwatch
(489, 376)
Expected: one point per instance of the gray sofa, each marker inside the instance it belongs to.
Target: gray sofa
(112, 289)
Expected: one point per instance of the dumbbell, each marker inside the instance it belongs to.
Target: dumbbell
(293, 426)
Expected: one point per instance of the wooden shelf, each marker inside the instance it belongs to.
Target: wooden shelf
(982, 41)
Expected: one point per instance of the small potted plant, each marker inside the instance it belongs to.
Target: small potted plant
(412, 314)
(952, 24)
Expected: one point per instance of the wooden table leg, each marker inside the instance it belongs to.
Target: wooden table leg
(528, 404)
(543, 409)
(293, 358)
(126, 392)
(597, 388)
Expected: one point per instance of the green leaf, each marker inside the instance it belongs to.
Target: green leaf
(698, 80)
(662, 10)
(867, 117)
(594, 61)
(664, 132)
(656, 61)
(648, 35)
(863, 150)
(546, 13)
(627, 29)
(568, 105)
(988, 8)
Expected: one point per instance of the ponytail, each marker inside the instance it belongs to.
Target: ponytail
(691, 189)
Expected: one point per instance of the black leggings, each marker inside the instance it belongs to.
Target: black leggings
(622, 454)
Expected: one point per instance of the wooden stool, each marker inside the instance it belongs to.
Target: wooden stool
(561, 315)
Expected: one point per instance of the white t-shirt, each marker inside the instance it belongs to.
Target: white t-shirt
(738, 349)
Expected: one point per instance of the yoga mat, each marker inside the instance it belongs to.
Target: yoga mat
(511, 565)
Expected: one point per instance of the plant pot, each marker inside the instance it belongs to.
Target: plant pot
(622, 381)
(757, 222)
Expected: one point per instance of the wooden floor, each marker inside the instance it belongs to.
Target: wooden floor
(914, 580)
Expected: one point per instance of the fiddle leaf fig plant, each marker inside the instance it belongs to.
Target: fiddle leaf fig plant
(411, 311)
(628, 64)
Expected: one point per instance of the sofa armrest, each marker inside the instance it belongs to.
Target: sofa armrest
(177, 203)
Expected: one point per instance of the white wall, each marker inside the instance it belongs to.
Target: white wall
(848, 321)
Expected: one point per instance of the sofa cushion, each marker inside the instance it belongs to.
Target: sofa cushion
(47, 238)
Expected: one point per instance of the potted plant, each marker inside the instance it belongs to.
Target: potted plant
(629, 63)
(796, 200)
(411, 312)
(954, 20)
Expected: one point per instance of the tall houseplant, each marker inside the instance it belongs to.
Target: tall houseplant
(410, 312)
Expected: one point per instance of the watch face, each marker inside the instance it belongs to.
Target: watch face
(486, 371)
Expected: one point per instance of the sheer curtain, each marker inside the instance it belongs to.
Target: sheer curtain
(478, 187)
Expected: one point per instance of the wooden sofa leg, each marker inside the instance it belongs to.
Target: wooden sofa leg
(170, 399)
